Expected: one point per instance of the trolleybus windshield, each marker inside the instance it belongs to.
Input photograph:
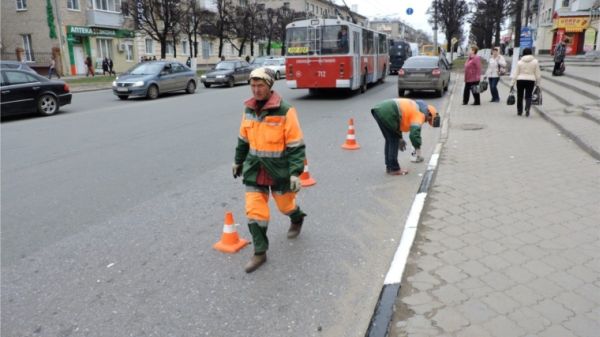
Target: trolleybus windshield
(320, 40)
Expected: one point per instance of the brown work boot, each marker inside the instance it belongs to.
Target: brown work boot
(255, 262)
(294, 230)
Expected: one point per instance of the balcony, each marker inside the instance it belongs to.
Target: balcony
(97, 18)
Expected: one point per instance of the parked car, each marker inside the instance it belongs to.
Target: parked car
(16, 65)
(259, 61)
(399, 51)
(277, 65)
(227, 72)
(24, 92)
(150, 79)
(424, 73)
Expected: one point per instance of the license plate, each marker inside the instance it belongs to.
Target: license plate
(417, 75)
(122, 89)
(209, 80)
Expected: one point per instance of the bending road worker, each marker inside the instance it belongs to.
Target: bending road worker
(270, 156)
(398, 115)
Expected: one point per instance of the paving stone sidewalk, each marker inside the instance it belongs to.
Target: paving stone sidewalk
(509, 240)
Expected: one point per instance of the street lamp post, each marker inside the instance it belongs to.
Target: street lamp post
(435, 27)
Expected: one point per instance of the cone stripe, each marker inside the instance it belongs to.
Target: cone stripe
(351, 137)
(229, 229)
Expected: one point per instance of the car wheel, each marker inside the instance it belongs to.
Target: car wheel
(440, 92)
(400, 92)
(277, 75)
(152, 92)
(231, 83)
(47, 105)
(383, 74)
(207, 85)
(123, 97)
(446, 87)
(191, 87)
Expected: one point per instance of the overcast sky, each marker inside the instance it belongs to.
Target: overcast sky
(395, 8)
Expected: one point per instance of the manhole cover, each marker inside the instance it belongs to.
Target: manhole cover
(471, 126)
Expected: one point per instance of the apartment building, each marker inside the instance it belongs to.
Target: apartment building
(317, 9)
(394, 28)
(71, 31)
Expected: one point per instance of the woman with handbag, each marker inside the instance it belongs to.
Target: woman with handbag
(526, 76)
(495, 69)
(472, 76)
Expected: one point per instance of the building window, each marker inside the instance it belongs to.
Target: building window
(149, 46)
(108, 5)
(28, 48)
(184, 47)
(104, 48)
(565, 3)
(169, 49)
(206, 49)
(21, 5)
(73, 4)
(129, 52)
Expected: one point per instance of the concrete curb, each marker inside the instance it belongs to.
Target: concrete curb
(384, 310)
(585, 147)
(578, 78)
(78, 90)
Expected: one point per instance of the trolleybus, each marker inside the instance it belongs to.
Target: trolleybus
(332, 53)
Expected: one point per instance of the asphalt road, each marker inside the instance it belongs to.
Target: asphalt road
(110, 210)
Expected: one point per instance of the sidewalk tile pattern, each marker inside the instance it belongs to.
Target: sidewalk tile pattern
(509, 241)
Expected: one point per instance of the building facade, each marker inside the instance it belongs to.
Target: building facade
(82, 28)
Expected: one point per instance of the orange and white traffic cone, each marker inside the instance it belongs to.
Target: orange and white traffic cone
(230, 240)
(351, 143)
(305, 178)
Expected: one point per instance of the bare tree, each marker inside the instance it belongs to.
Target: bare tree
(451, 15)
(271, 27)
(190, 24)
(158, 19)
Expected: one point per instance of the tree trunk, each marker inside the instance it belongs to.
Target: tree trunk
(163, 48)
(220, 45)
(190, 45)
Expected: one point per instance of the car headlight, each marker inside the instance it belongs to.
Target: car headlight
(203, 76)
(114, 84)
(221, 76)
(138, 84)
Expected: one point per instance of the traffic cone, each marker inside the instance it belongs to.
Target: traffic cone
(230, 241)
(351, 143)
(305, 178)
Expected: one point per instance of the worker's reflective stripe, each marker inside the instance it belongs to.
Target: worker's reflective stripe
(229, 228)
(415, 124)
(261, 223)
(266, 154)
(258, 189)
(296, 143)
(243, 139)
(252, 117)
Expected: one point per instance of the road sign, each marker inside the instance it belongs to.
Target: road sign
(409, 11)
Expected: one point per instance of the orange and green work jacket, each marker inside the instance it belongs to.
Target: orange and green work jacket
(270, 145)
(402, 115)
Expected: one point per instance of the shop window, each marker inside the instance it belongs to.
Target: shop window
(129, 52)
(21, 5)
(149, 46)
(169, 49)
(73, 5)
(28, 48)
(104, 48)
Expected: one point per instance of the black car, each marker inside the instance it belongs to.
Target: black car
(227, 72)
(399, 51)
(24, 92)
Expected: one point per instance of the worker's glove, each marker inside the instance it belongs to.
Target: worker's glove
(236, 170)
(416, 156)
(295, 184)
(402, 145)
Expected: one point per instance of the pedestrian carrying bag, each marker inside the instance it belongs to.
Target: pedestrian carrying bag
(483, 85)
(475, 89)
(511, 97)
(501, 70)
(536, 96)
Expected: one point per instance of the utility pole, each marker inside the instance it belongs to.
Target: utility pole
(435, 27)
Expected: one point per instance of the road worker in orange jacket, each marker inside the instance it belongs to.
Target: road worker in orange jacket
(270, 157)
(398, 115)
